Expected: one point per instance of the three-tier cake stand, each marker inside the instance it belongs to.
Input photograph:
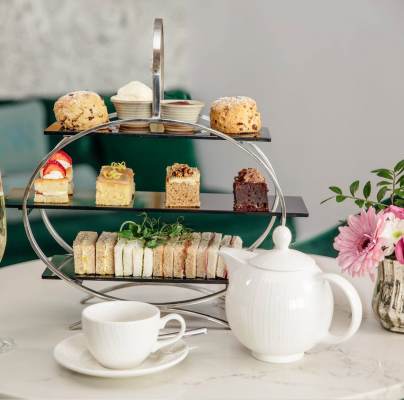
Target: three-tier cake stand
(62, 266)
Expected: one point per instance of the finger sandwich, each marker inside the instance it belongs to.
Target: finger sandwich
(105, 253)
(228, 241)
(158, 253)
(213, 252)
(84, 253)
(168, 258)
(202, 255)
(137, 257)
(118, 256)
(191, 255)
(147, 262)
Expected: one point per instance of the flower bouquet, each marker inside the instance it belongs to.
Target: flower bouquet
(373, 241)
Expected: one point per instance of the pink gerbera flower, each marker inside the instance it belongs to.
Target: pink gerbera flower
(360, 244)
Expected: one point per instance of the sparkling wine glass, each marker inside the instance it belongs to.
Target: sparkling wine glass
(6, 343)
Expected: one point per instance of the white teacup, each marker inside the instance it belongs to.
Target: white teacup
(122, 334)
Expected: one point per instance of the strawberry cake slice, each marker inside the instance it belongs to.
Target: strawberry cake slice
(52, 185)
(66, 161)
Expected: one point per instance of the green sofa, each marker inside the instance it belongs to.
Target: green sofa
(26, 121)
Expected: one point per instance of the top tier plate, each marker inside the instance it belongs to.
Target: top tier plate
(263, 136)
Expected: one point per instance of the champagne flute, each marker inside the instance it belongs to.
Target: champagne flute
(6, 344)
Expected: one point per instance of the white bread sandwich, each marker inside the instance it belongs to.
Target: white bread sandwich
(137, 257)
(147, 262)
(118, 256)
(213, 253)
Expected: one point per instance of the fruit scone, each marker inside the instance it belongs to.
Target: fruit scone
(115, 185)
(53, 185)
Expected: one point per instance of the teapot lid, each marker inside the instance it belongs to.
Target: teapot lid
(281, 258)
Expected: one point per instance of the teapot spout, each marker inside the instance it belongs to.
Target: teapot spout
(234, 258)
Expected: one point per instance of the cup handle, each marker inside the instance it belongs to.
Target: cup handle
(356, 308)
(163, 322)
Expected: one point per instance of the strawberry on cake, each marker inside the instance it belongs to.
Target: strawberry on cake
(64, 159)
(52, 185)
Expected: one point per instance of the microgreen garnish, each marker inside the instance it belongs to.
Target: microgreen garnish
(152, 231)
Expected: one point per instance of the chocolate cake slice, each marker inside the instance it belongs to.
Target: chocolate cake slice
(250, 191)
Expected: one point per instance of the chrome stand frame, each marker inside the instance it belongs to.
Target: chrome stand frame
(174, 306)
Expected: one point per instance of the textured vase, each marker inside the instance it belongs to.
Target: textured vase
(388, 296)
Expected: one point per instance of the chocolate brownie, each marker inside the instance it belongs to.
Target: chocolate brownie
(250, 191)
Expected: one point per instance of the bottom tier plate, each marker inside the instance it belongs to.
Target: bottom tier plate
(67, 267)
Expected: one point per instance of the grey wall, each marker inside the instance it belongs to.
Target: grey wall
(327, 75)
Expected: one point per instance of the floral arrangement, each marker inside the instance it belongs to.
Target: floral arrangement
(377, 232)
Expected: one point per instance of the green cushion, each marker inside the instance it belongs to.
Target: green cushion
(22, 142)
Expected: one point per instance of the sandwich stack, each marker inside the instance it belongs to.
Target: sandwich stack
(195, 255)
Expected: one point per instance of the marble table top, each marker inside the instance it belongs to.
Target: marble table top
(36, 314)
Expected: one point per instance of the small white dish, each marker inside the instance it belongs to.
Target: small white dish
(72, 354)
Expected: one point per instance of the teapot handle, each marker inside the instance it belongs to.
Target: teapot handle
(356, 308)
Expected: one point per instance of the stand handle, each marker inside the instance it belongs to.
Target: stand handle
(158, 67)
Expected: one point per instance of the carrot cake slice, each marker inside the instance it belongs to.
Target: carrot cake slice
(182, 186)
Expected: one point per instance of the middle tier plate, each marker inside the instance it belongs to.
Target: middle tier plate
(154, 201)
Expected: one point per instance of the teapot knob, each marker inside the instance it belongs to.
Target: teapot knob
(282, 237)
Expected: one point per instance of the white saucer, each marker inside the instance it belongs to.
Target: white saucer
(72, 354)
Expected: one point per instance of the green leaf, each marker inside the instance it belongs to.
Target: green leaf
(400, 181)
(368, 204)
(367, 189)
(360, 203)
(399, 192)
(399, 202)
(383, 173)
(329, 198)
(335, 189)
(381, 193)
(340, 198)
(384, 183)
(399, 167)
(354, 187)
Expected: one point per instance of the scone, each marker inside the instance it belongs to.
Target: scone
(80, 110)
(182, 186)
(235, 115)
(115, 185)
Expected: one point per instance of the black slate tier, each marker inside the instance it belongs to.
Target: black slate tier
(154, 201)
(263, 136)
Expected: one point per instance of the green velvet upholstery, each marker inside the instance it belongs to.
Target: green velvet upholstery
(321, 244)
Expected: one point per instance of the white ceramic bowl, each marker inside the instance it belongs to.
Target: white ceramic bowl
(173, 109)
(133, 109)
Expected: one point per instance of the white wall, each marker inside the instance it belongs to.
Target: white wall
(328, 77)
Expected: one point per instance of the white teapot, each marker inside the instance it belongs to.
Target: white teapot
(279, 304)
